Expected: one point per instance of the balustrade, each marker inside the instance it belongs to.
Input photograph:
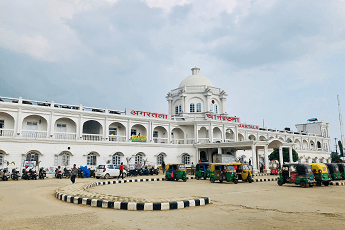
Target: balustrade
(6, 132)
(34, 134)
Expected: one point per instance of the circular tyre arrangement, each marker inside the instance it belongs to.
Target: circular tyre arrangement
(196, 177)
(280, 183)
(250, 179)
(303, 184)
(212, 180)
(318, 183)
(235, 181)
(106, 176)
(326, 183)
(185, 179)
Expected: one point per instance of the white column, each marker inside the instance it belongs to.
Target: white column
(169, 133)
(210, 133)
(281, 156)
(80, 125)
(170, 109)
(267, 169)
(290, 154)
(51, 125)
(236, 133)
(254, 161)
(18, 125)
(106, 128)
(196, 133)
(223, 134)
(149, 132)
(128, 133)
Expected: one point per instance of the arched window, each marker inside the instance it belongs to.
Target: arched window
(186, 159)
(160, 159)
(326, 147)
(192, 109)
(180, 109)
(1, 159)
(64, 158)
(198, 108)
(211, 107)
(176, 110)
(319, 145)
(138, 159)
(215, 108)
(91, 159)
(324, 133)
(116, 159)
(32, 156)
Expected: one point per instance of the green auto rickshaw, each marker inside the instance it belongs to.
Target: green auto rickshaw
(334, 171)
(300, 174)
(341, 167)
(176, 171)
(320, 173)
(223, 172)
(202, 171)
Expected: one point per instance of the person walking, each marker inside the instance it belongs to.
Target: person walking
(74, 173)
(121, 170)
(163, 167)
(192, 169)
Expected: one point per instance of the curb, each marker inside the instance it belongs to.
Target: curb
(337, 183)
(131, 206)
(264, 180)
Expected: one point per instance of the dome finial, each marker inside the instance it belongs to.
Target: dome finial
(195, 71)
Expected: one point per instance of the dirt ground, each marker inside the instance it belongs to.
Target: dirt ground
(260, 205)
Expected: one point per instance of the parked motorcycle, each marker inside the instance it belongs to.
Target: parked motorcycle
(42, 173)
(58, 173)
(26, 174)
(154, 171)
(66, 173)
(80, 173)
(143, 171)
(33, 174)
(4, 174)
(15, 174)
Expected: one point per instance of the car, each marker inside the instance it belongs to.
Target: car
(108, 170)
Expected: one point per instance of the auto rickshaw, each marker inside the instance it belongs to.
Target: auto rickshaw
(202, 171)
(320, 173)
(243, 171)
(341, 167)
(175, 171)
(274, 167)
(223, 172)
(334, 171)
(301, 174)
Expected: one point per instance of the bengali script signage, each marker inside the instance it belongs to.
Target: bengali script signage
(216, 117)
(146, 114)
(138, 138)
(248, 126)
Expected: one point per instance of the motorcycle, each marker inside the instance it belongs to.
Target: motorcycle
(42, 173)
(4, 174)
(80, 173)
(58, 173)
(15, 174)
(33, 174)
(154, 171)
(144, 171)
(66, 173)
(26, 174)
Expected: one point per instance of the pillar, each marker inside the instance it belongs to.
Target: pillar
(280, 156)
(18, 123)
(267, 168)
(290, 154)
(254, 160)
(195, 133)
(80, 130)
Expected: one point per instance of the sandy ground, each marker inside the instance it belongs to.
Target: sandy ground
(260, 205)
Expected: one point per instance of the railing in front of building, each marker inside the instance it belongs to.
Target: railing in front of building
(92, 137)
(203, 140)
(160, 140)
(65, 136)
(178, 141)
(6, 132)
(217, 140)
(117, 138)
(34, 134)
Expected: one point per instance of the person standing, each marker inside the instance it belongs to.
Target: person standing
(163, 167)
(121, 170)
(74, 173)
(192, 169)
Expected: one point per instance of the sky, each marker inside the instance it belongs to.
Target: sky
(281, 62)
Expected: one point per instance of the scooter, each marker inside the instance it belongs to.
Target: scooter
(4, 174)
(66, 173)
(58, 173)
(26, 174)
(33, 174)
(42, 173)
(80, 173)
(15, 174)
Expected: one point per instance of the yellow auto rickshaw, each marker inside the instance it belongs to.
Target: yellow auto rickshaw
(320, 173)
(243, 171)
(222, 172)
(175, 171)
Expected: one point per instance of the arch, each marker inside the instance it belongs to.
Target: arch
(65, 128)
(3, 152)
(116, 158)
(34, 126)
(92, 159)
(240, 137)
(217, 134)
(92, 127)
(252, 137)
(319, 145)
(297, 144)
(32, 155)
(138, 159)
(185, 158)
(281, 138)
(64, 158)
(312, 145)
(229, 134)
(262, 138)
(203, 132)
(275, 144)
(138, 130)
(117, 132)
(160, 135)
(305, 144)
(6, 122)
(289, 140)
(177, 136)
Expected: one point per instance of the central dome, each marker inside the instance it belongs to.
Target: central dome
(195, 79)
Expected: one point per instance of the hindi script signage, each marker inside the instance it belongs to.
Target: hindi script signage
(138, 113)
(210, 116)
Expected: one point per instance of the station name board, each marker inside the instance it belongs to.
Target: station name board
(248, 126)
(138, 138)
(138, 113)
(210, 116)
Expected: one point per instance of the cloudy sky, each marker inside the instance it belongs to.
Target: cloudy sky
(281, 61)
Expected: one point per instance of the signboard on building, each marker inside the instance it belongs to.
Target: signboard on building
(210, 116)
(30, 163)
(137, 113)
(138, 138)
(248, 126)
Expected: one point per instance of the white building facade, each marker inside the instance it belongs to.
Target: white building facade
(195, 129)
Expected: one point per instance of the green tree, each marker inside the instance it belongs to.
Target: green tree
(341, 148)
(335, 156)
(275, 155)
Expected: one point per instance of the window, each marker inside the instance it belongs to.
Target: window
(186, 159)
(31, 125)
(116, 159)
(176, 110)
(138, 159)
(160, 159)
(1, 159)
(2, 124)
(32, 156)
(192, 109)
(64, 158)
(133, 132)
(61, 128)
(211, 107)
(215, 108)
(112, 131)
(198, 108)
(180, 109)
(326, 147)
(91, 159)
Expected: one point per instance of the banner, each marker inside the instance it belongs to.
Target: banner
(209, 116)
(131, 112)
(138, 138)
